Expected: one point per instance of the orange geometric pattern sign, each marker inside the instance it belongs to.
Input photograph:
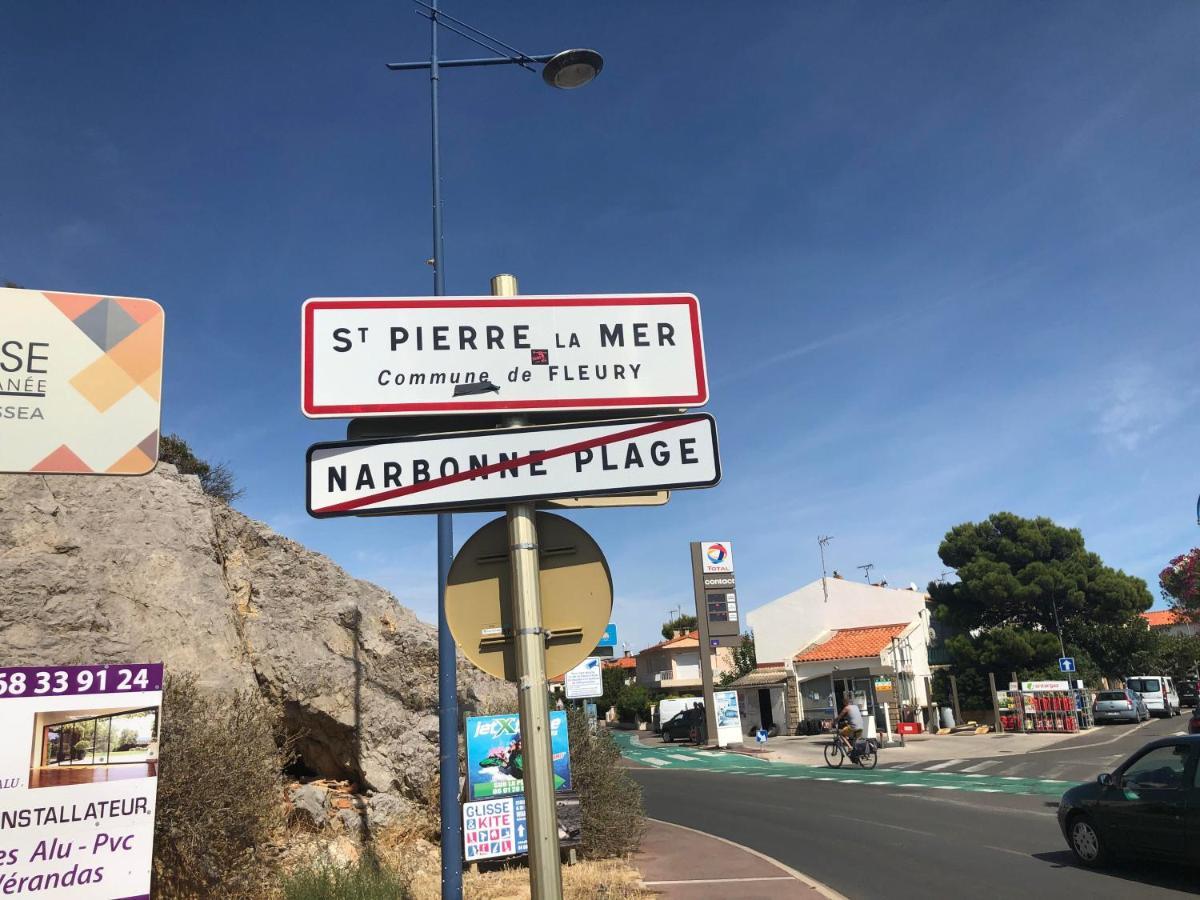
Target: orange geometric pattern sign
(80, 383)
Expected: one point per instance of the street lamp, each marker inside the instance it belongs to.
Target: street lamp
(566, 70)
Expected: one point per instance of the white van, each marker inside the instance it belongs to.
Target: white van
(668, 706)
(1157, 691)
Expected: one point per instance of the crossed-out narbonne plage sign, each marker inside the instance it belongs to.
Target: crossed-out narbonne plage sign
(80, 383)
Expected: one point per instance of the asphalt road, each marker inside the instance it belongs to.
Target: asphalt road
(1079, 758)
(881, 841)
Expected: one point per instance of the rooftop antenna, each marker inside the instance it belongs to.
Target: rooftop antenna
(867, 571)
(822, 540)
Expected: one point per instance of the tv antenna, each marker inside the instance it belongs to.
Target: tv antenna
(822, 540)
(867, 571)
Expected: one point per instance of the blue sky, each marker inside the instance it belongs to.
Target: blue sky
(946, 253)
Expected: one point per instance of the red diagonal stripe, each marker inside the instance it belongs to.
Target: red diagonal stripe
(531, 459)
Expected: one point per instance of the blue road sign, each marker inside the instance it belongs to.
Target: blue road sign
(1066, 664)
(610, 636)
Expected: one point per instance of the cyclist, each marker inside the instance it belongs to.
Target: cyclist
(852, 731)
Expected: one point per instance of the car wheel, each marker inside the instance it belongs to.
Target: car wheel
(668, 737)
(1086, 843)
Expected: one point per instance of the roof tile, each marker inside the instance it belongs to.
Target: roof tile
(852, 643)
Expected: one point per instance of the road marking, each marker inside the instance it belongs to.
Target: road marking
(942, 765)
(884, 825)
(979, 767)
(1074, 748)
(655, 762)
(986, 790)
(977, 776)
(721, 880)
(1006, 850)
(1012, 778)
(945, 787)
(680, 756)
(912, 784)
(820, 887)
(930, 798)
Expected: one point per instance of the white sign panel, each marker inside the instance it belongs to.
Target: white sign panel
(484, 468)
(387, 356)
(716, 557)
(80, 381)
(729, 718)
(490, 828)
(79, 772)
(585, 680)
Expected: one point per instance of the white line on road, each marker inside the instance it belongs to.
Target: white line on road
(1075, 748)
(911, 784)
(655, 762)
(942, 765)
(930, 798)
(680, 757)
(979, 767)
(1006, 850)
(721, 880)
(945, 787)
(883, 825)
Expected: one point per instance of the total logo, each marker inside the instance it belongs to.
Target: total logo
(717, 557)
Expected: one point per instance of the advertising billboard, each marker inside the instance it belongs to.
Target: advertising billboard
(496, 760)
(79, 772)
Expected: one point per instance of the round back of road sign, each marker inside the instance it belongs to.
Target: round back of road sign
(576, 591)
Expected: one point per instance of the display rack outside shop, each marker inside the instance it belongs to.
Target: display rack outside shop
(1045, 707)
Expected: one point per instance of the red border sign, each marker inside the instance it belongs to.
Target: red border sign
(307, 337)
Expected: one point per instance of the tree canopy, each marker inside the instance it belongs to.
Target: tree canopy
(685, 622)
(1018, 572)
(1180, 583)
(744, 660)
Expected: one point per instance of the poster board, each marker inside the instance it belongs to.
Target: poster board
(79, 772)
(495, 758)
(729, 718)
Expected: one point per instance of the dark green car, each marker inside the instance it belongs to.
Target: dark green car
(1148, 807)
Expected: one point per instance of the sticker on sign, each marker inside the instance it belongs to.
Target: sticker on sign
(407, 355)
(481, 468)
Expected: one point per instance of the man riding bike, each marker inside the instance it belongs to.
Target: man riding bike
(852, 731)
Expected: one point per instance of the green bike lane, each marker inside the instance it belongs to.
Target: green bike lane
(670, 756)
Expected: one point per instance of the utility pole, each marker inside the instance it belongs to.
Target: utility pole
(533, 702)
(822, 540)
(867, 571)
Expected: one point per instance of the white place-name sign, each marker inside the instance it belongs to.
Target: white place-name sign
(388, 356)
(485, 468)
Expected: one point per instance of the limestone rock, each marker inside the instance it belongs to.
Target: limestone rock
(146, 569)
(311, 800)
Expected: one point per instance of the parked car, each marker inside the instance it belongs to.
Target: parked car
(1158, 692)
(679, 726)
(1119, 706)
(1148, 807)
(668, 706)
(1187, 694)
(1194, 722)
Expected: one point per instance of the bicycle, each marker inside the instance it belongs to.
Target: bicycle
(839, 749)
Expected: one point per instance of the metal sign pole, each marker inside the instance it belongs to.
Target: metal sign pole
(533, 703)
(706, 672)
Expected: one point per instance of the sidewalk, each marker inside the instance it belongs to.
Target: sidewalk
(921, 748)
(683, 864)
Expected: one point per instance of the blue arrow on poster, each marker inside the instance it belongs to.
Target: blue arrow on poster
(610, 636)
(1066, 664)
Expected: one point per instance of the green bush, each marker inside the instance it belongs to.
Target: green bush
(366, 880)
(220, 792)
(610, 801)
(633, 702)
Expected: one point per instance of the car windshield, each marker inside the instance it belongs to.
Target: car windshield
(1111, 695)
(1144, 685)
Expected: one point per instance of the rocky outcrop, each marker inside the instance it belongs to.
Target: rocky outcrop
(146, 569)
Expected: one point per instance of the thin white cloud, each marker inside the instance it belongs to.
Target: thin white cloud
(1138, 403)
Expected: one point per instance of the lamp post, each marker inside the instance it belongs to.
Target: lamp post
(565, 70)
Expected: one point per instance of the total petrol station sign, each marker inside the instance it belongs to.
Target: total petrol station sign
(389, 356)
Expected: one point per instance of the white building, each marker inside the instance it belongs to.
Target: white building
(819, 643)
